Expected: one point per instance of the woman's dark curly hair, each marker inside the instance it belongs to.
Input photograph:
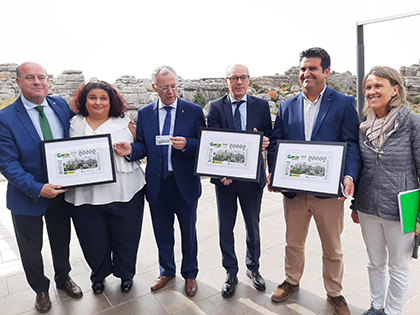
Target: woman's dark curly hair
(117, 102)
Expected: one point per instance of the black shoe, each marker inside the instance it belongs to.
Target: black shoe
(228, 288)
(71, 288)
(98, 287)
(126, 285)
(257, 280)
(43, 303)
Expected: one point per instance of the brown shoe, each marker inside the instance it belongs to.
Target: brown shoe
(283, 291)
(71, 288)
(339, 305)
(190, 287)
(42, 302)
(160, 282)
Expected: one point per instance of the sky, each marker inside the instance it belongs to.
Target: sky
(110, 38)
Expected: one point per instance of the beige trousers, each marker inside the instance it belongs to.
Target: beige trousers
(328, 215)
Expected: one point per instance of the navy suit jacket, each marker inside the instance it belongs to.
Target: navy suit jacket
(337, 121)
(21, 160)
(188, 121)
(258, 116)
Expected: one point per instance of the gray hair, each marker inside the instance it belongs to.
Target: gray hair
(230, 68)
(163, 70)
(394, 79)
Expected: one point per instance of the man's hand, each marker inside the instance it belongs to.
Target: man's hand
(266, 141)
(123, 148)
(355, 216)
(348, 188)
(226, 181)
(417, 228)
(179, 143)
(268, 184)
(51, 191)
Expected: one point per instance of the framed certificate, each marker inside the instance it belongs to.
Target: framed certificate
(309, 167)
(79, 161)
(233, 154)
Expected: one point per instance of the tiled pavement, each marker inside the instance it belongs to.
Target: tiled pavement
(16, 297)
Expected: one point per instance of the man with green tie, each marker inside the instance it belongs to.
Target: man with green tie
(34, 117)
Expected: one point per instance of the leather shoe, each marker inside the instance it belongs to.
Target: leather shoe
(257, 280)
(228, 288)
(190, 287)
(43, 303)
(126, 285)
(98, 287)
(160, 282)
(283, 291)
(71, 288)
(339, 305)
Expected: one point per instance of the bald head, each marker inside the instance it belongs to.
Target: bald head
(32, 80)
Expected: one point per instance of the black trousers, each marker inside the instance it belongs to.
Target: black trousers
(28, 230)
(249, 195)
(109, 236)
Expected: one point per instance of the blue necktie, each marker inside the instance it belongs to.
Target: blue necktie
(165, 131)
(237, 115)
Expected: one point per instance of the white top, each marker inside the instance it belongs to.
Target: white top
(310, 113)
(130, 176)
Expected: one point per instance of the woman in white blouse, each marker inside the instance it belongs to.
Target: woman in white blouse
(107, 217)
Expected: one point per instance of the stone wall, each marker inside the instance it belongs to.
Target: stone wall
(139, 92)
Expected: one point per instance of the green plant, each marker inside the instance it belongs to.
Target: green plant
(414, 100)
(286, 87)
(199, 99)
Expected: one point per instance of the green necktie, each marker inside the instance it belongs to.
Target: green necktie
(45, 126)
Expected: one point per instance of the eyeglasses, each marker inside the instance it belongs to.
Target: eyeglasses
(234, 79)
(166, 88)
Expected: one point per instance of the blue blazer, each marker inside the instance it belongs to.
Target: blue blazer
(337, 121)
(188, 121)
(258, 116)
(21, 160)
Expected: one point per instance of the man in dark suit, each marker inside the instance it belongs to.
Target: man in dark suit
(241, 111)
(29, 196)
(172, 188)
(317, 114)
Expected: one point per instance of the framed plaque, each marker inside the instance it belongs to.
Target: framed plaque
(311, 167)
(234, 154)
(79, 161)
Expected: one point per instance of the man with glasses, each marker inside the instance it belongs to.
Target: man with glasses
(240, 111)
(167, 133)
(317, 114)
(34, 117)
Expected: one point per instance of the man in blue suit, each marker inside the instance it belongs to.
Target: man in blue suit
(29, 196)
(167, 133)
(317, 114)
(240, 111)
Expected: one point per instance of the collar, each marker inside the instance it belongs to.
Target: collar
(318, 99)
(173, 105)
(29, 105)
(244, 98)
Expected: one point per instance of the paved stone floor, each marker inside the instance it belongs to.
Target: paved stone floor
(16, 297)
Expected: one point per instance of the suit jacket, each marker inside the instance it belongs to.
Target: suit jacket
(188, 121)
(258, 116)
(337, 121)
(21, 159)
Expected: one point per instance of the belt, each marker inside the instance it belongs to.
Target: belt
(170, 173)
